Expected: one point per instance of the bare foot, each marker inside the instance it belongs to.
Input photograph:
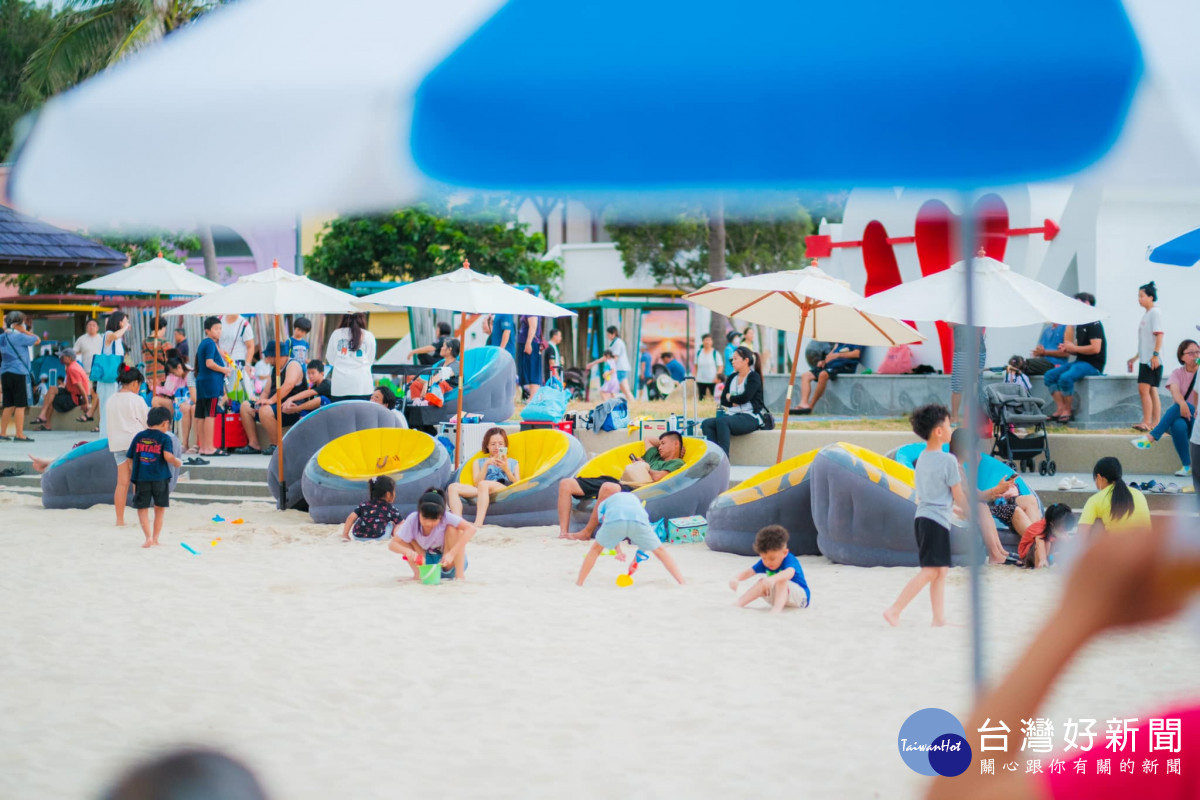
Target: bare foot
(892, 617)
(945, 624)
(148, 543)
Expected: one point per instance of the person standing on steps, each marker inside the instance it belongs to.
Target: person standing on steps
(1148, 358)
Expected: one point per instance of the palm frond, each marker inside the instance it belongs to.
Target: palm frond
(79, 46)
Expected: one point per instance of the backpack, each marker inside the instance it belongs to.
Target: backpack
(610, 415)
(898, 361)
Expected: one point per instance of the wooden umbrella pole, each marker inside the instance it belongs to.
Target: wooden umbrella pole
(787, 408)
(154, 334)
(279, 423)
(462, 358)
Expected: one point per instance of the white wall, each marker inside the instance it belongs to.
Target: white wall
(591, 268)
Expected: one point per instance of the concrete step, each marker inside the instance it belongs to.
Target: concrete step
(198, 499)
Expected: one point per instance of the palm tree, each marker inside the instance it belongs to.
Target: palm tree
(91, 35)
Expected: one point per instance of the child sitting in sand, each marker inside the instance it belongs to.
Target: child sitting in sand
(939, 489)
(1038, 539)
(622, 516)
(430, 535)
(152, 456)
(784, 585)
(377, 517)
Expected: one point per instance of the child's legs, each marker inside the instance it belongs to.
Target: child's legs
(124, 471)
(937, 595)
(668, 561)
(160, 514)
(757, 590)
(456, 548)
(186, 424)
(913, 588)
(144, 518)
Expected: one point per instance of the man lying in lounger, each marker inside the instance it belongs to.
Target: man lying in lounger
(663, 455)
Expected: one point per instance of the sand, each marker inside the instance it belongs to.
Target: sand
(333, 675)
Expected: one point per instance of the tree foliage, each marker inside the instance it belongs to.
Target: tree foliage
(172, 245)
(430, 239)
(764, 237)
(23, 27)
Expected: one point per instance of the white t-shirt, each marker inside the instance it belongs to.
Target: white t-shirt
(87, 346)
(707, 367)
(351, 368)
(125, 417)
(1151, 324)
(617, 348)
(234, 336)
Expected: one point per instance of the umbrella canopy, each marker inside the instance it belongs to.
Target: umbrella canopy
(393, 94)
(272, 291)
(1182, 251)
(806, 301)
(469, 292)
(158, 275)
(776, 299)
(1003, 299)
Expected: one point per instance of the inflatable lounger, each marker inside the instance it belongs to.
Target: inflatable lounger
(335, 479)
(317, 429)
(686, 491)
(991, 471)
(491, 383)
(863, 506)
(545, 457)
(87, 476)
(779, 495)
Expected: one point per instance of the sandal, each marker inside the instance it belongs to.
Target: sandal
(1141, 427)
(84, 418)
(24, 439)
(195, 461)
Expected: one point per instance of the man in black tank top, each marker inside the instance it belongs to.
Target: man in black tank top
(290, 375)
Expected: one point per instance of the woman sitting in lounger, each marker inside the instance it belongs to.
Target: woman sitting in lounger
(491, 474)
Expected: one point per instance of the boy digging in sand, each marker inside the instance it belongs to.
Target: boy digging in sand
(939, 489)
(622, 516)
(783, 584)
(151, 454)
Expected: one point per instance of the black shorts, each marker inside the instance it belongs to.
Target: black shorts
(206, 407)
(591, 486)
(151, 493)
(64, 402)
(933, 543)
(834, 371)
(1150, 376)
(16, 389)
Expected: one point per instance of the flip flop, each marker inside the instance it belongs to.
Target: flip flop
(11, 472)
(1141, 427)
(25, 439)
(195, 462)
(83, 419)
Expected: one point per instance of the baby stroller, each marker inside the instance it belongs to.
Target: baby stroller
(575, 382)
(1010, 406)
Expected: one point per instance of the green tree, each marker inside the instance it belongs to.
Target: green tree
(174, 246)
(760, 235)
(23, 26)
(430, 239)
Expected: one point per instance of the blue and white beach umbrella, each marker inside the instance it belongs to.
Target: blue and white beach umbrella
(268, 108)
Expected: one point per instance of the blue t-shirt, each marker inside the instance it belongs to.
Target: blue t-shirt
(500, 324)
(623, 507)
(146, 452)
(1052, 339)
(729, 349)
(209, 382)
(646, 365)
(14, 349)
(788, 561)
(676, 370)
(299, 350)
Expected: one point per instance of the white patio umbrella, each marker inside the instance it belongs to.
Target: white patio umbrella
(158, 276)
(805, 301)
(1003, 298)
(273, 291)
(468, 292)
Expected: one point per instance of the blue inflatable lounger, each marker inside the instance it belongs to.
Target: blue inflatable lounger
(317, 429)
(335, 479)
(863, 506)
(779, 495)
(545, 457)
(491, 381)
(87, 476)
(685, 492)
(991, 471)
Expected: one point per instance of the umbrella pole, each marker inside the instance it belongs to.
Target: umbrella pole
(462, 378)
(971, 421)
(154, 333)
(787, 407)
(279, 426)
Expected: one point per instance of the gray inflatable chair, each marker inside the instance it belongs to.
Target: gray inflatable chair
(86, 476)
(336, 477)
(779, 495)
(314, 431)
(863, 506)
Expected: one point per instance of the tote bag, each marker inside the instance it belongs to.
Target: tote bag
(105, 366)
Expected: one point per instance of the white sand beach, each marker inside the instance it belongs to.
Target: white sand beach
(325, 668)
